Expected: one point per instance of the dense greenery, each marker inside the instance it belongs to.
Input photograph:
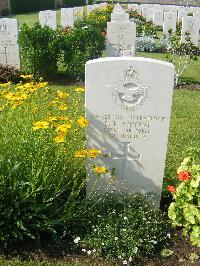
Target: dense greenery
(22, 6)
(42, 48)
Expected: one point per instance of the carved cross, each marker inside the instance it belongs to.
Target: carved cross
(126, 157)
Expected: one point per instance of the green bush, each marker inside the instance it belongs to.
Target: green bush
(123, 227)
(22, 6)
(81, 45)
(40, 49)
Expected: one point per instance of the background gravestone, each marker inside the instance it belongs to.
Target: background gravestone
(78, 13)
(121, 34)
(129, 108)
(158, 17)
(190, 25)
(9, 48)
(48, 18)
(169, 22)
(67, 17)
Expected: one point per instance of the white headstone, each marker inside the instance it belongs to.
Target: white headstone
(78, 13)
(121, 34)
(190, 25)
(90, 8)
(128, 108)
(144, 11)
(181, 14)
(133, 7)
(169, 22)
(9, 48)
(149, 14)
(48, 18)
(67, 17)
(158, 17)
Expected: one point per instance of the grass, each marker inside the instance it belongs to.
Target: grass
(191, 73)
(184, 128)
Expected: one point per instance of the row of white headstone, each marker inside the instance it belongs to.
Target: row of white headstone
(121, 32)
(68, 15)
(120, 38)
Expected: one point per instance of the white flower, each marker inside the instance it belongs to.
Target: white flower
(94, 250)
(76, 240)
(83, 249)
(116, 238)
(130, 259)
(85, 27)
(89, 252)
(125, 218)
(124, 262)
(135, 250)
(168, 235)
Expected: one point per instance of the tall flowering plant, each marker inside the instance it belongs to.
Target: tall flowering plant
(185, 210)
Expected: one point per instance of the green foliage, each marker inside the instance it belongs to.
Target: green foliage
(39, 178)
(124, 227)
(97, 18)
(81, 45)
(185, 211)
(143, 27)
(40, 49)
(69, 3)
(22, 6)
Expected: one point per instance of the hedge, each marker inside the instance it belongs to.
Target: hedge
(72, 3)
(23, 6)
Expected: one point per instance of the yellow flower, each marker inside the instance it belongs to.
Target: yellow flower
(5, 84)
(26, 76)
(93, 153)
(63, 128)
(62, 94)
(60, 138)
(83, 122)
(79, 90)
(80, 154)
(40, 125)
(63, 107)
(100, 170)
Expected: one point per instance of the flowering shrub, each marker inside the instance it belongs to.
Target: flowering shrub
(41, 129)
(149, 44)
(124, 227)
(185, 210)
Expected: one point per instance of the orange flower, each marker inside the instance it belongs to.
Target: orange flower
(171, 189)
(184, 176)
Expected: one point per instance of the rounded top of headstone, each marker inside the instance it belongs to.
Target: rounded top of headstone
(119, 15)
(118, 8)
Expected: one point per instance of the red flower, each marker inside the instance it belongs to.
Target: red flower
(184, 176)
(171, 189)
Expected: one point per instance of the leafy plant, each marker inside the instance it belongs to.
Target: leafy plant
(185, 211)
(126, 227)
(81, 45)
(40, 49)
